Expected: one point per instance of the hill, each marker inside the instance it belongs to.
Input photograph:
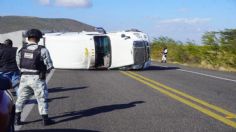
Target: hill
(15, 23)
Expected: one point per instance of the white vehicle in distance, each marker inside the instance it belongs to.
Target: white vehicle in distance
(94, 50)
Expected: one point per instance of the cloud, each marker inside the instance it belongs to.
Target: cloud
(68, 3)
(186, 21)
(74, 3)
(182, 29)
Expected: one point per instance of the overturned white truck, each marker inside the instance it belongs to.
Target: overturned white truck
(93, 50)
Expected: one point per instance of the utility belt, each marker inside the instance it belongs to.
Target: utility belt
(42, 75)
(30, 73)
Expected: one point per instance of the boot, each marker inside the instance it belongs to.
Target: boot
(18, 119)
(47, 121)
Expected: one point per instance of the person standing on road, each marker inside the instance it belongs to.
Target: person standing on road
(34, 62)
(8, 66)
(164, 55)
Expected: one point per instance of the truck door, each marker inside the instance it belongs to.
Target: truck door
(102, 52)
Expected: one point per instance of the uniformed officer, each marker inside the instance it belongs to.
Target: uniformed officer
(34, 62)
(8, 66)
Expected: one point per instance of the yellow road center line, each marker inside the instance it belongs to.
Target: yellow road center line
(230, 117)
(187, 102)
(216, 108)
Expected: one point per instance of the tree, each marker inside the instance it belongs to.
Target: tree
(209, 38)
(228, 39)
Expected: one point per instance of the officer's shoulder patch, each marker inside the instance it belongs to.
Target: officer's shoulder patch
(29, 55)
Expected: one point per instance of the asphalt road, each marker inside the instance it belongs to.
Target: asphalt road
(164, 98)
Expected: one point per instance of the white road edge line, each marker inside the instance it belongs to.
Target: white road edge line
(28, 108)
(212, 76)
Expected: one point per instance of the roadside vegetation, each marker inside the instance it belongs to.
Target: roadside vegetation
(217, 51)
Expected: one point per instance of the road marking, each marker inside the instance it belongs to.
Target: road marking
(212, 76)
(230, 117)
(28, 108)
(203, 74)
(180, 99)
(213, 107)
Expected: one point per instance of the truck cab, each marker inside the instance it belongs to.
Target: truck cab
(131, 49)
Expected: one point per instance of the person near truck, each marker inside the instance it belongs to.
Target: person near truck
(8, 66)
(164, 55)
(34, 62)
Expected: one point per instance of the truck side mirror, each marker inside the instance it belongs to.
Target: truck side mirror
(5, 83)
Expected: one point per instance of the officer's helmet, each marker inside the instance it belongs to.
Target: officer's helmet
(34, 33)
(8, 42)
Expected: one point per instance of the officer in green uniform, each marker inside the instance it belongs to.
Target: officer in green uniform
(34, 62)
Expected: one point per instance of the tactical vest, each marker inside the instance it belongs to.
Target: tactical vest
(31, 59)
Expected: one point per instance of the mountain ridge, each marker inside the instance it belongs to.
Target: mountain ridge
(16, 23)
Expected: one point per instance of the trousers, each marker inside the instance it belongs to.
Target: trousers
(32, 85)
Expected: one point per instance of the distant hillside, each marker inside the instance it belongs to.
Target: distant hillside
(15, 23)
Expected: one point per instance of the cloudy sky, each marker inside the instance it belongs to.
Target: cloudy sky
(179, 19)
